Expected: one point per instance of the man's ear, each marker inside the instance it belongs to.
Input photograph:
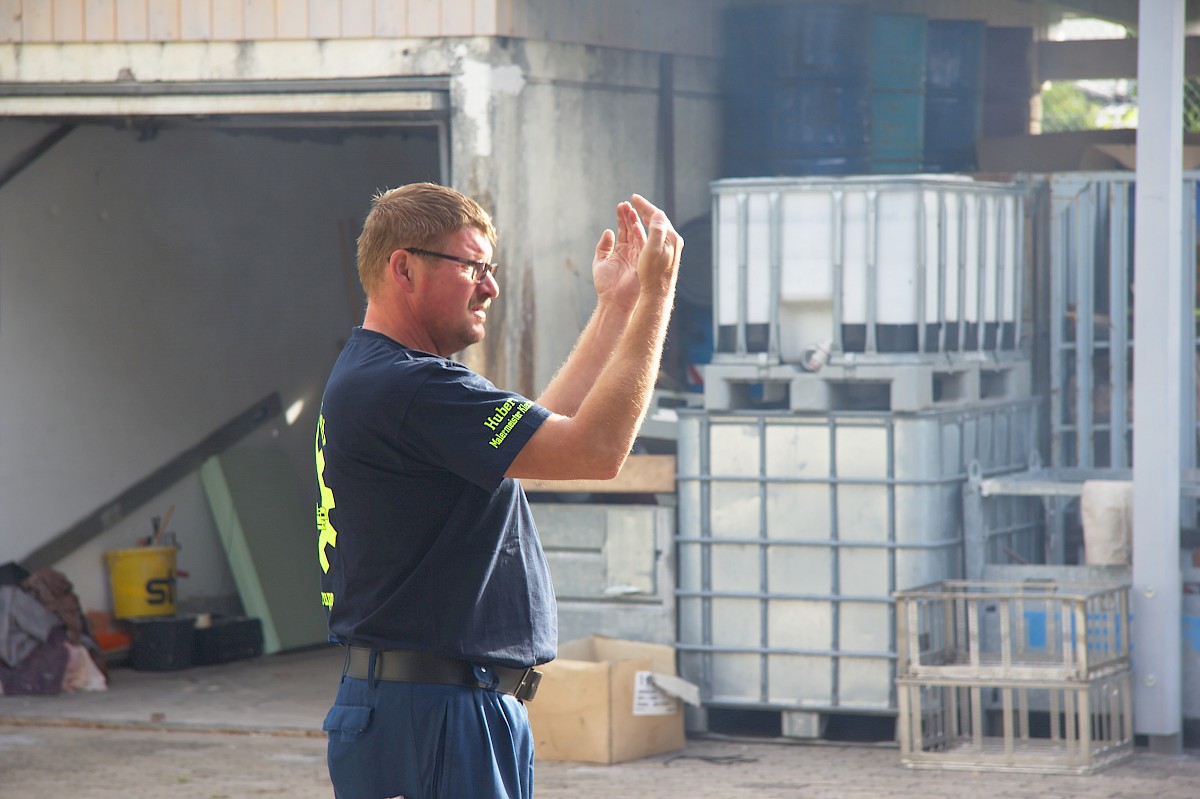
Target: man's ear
(400, 270)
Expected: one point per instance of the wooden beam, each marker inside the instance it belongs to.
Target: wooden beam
(1098, 59)
(642, 474)
(33, 153)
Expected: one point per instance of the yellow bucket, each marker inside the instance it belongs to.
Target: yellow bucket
(142, 580)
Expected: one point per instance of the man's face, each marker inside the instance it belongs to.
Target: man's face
(451, 303)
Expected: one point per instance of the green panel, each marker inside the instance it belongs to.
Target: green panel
(270, 542)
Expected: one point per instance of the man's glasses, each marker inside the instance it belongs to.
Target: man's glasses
(478, 268)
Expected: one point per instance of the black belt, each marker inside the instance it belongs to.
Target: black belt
(404, 665)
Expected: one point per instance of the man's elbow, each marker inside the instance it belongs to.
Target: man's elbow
(612, 470)
(604, 465)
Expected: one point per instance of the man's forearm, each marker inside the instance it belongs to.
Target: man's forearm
(613, 410)
(594, 441)
(592, 351)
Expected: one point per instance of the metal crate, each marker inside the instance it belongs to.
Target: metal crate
(795, 530)
(961, 629)
(1090, 226)
(1002, 529)
(1053, 728)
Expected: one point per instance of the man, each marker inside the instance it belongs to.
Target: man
(432, 573)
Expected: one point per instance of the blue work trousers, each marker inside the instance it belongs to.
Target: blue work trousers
(399, 739)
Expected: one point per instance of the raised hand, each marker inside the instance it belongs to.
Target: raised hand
(658, 261)
(614, 270)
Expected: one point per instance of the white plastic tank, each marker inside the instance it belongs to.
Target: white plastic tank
(873, 264)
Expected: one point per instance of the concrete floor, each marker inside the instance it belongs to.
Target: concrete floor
(252, 728)
(287, 692)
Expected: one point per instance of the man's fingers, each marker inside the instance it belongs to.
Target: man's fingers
(631, 229)
(604, 247)
(644, 207)
(660, 230)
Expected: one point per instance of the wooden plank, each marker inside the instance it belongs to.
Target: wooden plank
(11, 29)
(458, 18)
(291, 19)
(391, 18)
(504, 17)
(132, 21)
(258, 19)
(31, 154)
(195, 20)
(37, 22)
(424, 17)
(642, 474)
(259, 509)
(324, 19)
(67, 19)
(1082, 60)
(228, 24)
(358, 18)
(1101, 58)
(100, 21)
(485, 23)
(162, 20)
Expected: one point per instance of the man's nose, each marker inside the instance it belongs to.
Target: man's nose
(489, 287)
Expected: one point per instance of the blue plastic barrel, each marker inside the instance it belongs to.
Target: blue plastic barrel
(953, 93)
(797, 98)
(952, 125)
(897, 132)
(898, 56)
(898, 52)
(954, 55)
(820, 41)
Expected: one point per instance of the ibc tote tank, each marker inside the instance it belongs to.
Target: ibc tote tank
(875, 264)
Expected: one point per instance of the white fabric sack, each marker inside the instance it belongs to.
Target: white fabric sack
(1106, 507)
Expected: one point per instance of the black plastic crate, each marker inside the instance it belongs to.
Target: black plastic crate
(161, 643)
(227, 638)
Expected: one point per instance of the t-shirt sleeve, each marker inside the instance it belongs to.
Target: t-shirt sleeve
(462, 422)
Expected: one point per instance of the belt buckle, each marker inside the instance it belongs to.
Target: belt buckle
(527, 688)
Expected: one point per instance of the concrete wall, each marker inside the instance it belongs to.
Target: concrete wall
(155, 282)
(551, 137)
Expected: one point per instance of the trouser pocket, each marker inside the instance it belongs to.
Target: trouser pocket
(346, 723)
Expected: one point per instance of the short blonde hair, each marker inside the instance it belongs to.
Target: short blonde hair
(416, 215)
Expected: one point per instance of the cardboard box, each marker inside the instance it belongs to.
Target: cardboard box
(605, 700)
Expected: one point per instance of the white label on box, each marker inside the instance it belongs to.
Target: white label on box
(650, 700)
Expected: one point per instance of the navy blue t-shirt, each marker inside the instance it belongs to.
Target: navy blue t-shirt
(424, 544)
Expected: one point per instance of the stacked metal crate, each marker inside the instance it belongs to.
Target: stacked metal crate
(1022, 676)
(867, 351)
(1087, 219)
